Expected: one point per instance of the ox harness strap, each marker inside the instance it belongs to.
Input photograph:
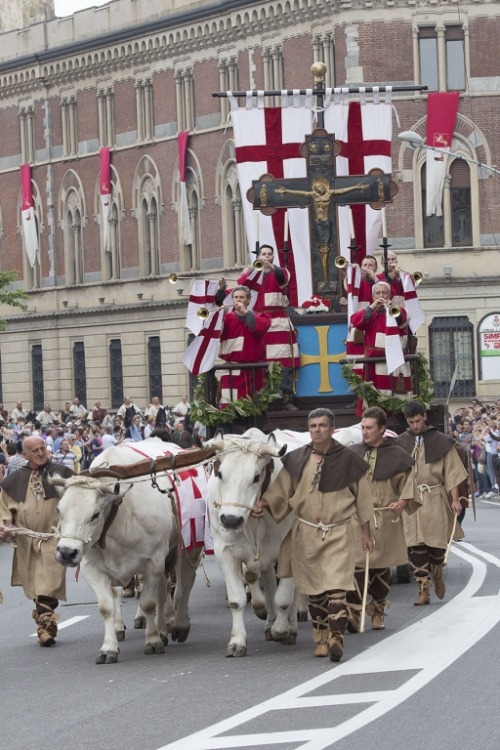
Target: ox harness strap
(268, 471)
(101, 542)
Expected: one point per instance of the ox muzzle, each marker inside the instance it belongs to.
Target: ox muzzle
(232, 522)
(68, 556)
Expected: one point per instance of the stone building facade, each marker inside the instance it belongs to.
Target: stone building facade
(132, 74)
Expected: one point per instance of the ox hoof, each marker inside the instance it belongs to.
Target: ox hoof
(180, 634)
(302, 615)
(120, 635)
(234, 650)
(140, 623)
(290, 640)
(268, 635)
(261, 613)
(164, 638)
(154, 648)
(106, 658)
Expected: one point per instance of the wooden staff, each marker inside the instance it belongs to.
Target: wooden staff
(365, 593)
(451, 539)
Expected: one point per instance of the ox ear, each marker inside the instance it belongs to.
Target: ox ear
(283, 450)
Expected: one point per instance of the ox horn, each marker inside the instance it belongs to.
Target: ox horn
(114, 490)
(56, 481)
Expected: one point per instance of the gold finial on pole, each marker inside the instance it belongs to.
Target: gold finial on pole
(318, 69)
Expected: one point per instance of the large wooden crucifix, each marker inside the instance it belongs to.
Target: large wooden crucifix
(321, 191)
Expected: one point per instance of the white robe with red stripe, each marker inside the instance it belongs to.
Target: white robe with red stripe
(280, 341)
(375, 329)
(238, 343)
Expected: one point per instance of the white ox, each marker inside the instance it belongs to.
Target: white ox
(247, 548)
(142, 539)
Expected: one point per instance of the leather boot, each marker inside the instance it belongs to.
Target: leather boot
(139, 583)
(437, 577)
(336, 646)
(353, 617)
(129, 589)
(47, 627)
(376, 609)
(423, 592)
(320, 636)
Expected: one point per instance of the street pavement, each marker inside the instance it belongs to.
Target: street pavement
(430, 680)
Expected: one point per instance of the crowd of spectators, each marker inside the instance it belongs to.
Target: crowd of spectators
(477, 429)
(75, 435)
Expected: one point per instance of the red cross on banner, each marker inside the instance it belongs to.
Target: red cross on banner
(355, 151)
(365, 133)
(201, 353)
(275, 152)
(268, 141)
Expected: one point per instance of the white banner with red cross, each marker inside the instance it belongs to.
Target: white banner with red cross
(267, 141)
(364, 130)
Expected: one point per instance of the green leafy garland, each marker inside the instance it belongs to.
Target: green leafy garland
(211, 416)
(366, 391)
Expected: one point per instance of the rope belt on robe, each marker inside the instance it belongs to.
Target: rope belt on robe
(324, 527)
(426, 488)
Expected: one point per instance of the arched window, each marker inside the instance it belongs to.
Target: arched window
(72, 220)
(228, 197)
(147, 205)
(148, 231)
(233, 231)
(74, 246)
(454, 227)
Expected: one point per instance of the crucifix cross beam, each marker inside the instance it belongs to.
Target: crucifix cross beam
(321, 191)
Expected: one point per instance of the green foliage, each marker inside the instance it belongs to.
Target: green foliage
(12, 297)
(211, 416)
(366, 391)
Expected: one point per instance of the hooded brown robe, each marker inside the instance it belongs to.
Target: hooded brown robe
(390, 481)
(437, 470)
(320, 549)
(29, 501)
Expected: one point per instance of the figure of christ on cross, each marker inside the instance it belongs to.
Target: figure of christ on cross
(321, 191)
(321, 196)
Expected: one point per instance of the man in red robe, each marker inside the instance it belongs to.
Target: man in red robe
(242, 341)
(373, 321)
(281, 339)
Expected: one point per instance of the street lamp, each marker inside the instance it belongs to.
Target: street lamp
(415, 141)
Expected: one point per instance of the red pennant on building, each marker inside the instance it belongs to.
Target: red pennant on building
(441, 116)
(105, 193)
(30, 233)
(185, 234)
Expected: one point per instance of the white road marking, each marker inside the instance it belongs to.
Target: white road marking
(448, 633)
(67, 623)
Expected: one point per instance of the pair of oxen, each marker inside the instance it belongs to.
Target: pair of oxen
(116, 529)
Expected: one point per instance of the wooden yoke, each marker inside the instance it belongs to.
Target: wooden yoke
(183, 460)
